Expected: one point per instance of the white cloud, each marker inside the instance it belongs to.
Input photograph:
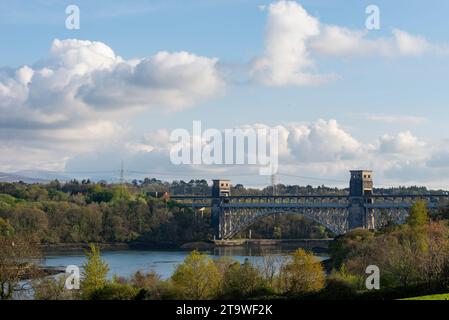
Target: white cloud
(171, 81)
(82, 79)
(340, 41)
(408, 44)
(396, 118)
(74, 100)
(323, 149)
(402, 143)
(287, 58)
(323, 141)
(293, 37)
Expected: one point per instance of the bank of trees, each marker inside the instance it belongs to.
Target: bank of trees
(411, 257)
(80, 212)
(86, 212)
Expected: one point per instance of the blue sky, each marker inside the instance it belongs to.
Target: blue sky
(389, 100)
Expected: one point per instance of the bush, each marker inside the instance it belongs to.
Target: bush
(243, 281)
(52, 289)
(302, 275)
(337, 289)
(115, 291)
(196, 278)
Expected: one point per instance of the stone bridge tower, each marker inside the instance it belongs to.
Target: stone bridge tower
(220, 190)
(360, 190)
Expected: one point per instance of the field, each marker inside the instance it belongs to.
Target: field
(444, 296)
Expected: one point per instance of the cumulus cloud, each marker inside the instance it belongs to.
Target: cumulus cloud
(74, 99)
(403, 143)
(323, 141)
(84, 78)
(293, 38)
(168, 80)
(341, 41)
(408, 44)
(287, 58)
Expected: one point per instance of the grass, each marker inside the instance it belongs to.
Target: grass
(444, 296)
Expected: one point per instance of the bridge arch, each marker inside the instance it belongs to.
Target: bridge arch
(332, 219)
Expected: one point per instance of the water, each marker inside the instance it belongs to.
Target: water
(124, 263)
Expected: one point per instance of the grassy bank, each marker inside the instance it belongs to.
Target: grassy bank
(444, 296)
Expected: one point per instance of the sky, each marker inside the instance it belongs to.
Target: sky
(342, 96)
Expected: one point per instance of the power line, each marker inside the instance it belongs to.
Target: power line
(273, 183)
(122, 173)
(207, 174)
(311, 178)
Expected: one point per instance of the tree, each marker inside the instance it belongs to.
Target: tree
(243, 281)
(115, 291)
(29, 221)
(52, 289)
(94, 272)
(343, 246)
(196, 278)
(98, 193)
(418, 215)
(5, 228)
(302, 274)
(16, 256)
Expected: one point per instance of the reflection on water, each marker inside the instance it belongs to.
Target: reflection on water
(126, 262)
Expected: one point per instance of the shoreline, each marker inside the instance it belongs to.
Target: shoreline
(312, 244)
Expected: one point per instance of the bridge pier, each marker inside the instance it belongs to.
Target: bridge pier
(359, 216)
(360, 192)
(219, 220)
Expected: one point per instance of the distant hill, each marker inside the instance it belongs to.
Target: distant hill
(43, 175)
(12, 177)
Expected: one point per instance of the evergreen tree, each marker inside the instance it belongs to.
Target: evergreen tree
(94, 271)
(418, 215)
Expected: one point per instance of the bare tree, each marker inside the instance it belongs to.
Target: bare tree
(17, 265)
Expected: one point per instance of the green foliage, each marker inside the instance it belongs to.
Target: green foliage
(8, 200)
(407, 256)
(344, 245)
(31, 222)
(115, 291)
(302, 274)
(148, 281)
(121, 193)
(99, 194)
(6, 230)
(286, 226)
(52, 289)
(18, 255)
(94, 272)
(343, 276)
(196, 278)
(337, 289)
(443, 296)
(243, 281)
(418, 215)
(91, 218)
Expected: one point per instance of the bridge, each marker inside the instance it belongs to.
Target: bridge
(360, 208)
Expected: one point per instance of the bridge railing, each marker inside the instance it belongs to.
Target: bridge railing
(371, 201)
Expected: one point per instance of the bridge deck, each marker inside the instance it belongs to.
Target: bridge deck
(379, 201)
